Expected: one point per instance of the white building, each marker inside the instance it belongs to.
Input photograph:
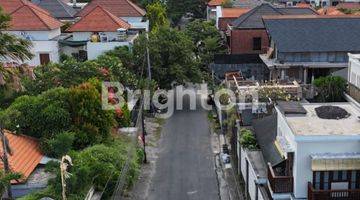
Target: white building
(97, 32)
(321, 157)
(31, 22)
(354, 76)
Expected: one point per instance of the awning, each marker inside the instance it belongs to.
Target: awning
(72, 43)
(335, 162)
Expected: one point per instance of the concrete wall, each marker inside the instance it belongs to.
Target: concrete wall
(94, 49)
(37, 35)
(335, 57)
(252, 175)
(241, 41)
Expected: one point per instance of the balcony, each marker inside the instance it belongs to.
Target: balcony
(279, 183)
(314, 194)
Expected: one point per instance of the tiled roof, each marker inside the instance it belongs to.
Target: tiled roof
(98, 20)
(349, 5)
(26, 154)
(301, 33)
(57, 8)
(233, 12)
(303, 5)
(215, 2)
(253, 18)
(120, 8)
(330, 11)
(26, 16)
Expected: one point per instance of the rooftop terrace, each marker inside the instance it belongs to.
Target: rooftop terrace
(310, 124)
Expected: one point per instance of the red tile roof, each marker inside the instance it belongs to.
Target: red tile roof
(10, 6)
(303, 5)
(349, 5)
(26, 154)
(25, 16)
(120, 8)
(330, 11)
(215, 2)
(233, 12)
(99, 20)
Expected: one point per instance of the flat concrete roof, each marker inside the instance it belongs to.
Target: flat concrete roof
(311, 125)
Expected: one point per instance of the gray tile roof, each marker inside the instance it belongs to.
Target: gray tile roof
(253, 18)
(265, 130)
(57, 8)
(319, 34)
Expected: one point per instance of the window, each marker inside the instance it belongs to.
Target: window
(257, 43)
(44, 58)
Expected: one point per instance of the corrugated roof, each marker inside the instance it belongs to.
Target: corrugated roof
(26, 154)
(120, 8)
(314, 33)
(57, 8)
(253, 18)
(98, 20)
(25, 16)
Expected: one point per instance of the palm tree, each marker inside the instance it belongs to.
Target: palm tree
(11, 46)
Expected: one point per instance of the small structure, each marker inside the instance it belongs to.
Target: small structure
(28, 160)
(33, 23)
(97, 32)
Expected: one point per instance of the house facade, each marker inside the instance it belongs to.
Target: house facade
(247, 34)
(33, 23)
(320, 154)
(97, 32)
(124, 9)
(297, 52)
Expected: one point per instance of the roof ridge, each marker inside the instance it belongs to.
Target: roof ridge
(63, 5)
(34, 6)
(37, 15)
(252, 11)
(112, 16)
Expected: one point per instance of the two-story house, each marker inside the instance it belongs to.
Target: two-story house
(306, 47)
(247, 34)
(319, 149)
(33, 23)
(124, 9)
(97, 32)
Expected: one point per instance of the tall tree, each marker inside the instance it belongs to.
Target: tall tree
(156, 13)
(172, 56)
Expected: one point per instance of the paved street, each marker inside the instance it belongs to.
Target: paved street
(185, 168)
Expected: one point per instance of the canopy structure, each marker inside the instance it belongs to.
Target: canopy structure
(335, 162)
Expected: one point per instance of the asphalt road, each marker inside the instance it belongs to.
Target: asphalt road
(185, 167)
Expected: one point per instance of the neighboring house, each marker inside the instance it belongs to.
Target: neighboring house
(211, 13)
(227, 15)
(57, 8)
(354, 76)
(331, 10)
(124, 9)
(97, 32)
(247, 34)
(307, 47)
(28, 160)
(33, 23)
(316, 153)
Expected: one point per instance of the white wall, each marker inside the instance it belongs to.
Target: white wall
(85, 36)
(37, 35)
(137, 22)
(354, 69)
(94, 49)
(50, 47)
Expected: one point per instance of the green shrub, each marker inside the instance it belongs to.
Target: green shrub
(330, 88)
(248, 140)
(59, 145)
